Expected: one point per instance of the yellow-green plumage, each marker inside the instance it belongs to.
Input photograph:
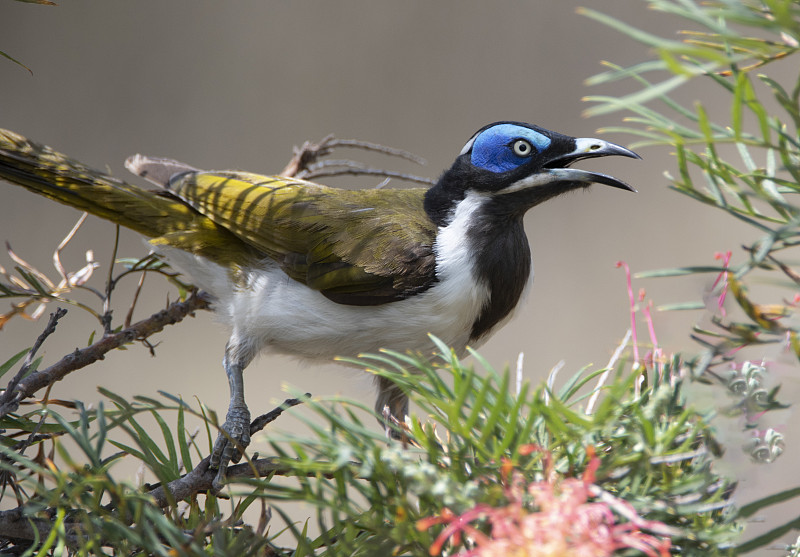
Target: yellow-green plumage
(332, 243)
(58, 177)
(333, 240)
(311, 271)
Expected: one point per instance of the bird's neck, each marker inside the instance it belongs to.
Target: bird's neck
(502, 262)
(494, 247)
(440, 202)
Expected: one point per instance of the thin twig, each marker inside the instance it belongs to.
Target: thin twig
(306, 162)
(26, 365)
(201, 479)
(611, 364)
(29, 268)
(17, 524)
(377, 148)
(83, 357)
(129, 316)
(110, 282)
(9, 475)
(263, 420)
(57, 254)
(367, 171)
(788, 271)
(144, 264)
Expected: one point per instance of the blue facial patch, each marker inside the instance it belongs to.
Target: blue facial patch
(492, 149)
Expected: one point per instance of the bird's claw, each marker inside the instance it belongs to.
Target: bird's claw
(233, 438)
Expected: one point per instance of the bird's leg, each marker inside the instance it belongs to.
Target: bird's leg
(391, 398)
(234, 435)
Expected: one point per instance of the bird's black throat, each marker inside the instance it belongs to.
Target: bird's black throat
(495, 235)
(502, 264)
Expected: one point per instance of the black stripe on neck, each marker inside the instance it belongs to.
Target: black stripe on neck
(502, 263)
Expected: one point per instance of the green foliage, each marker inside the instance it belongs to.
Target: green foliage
(477, 450)
(369, 495)
(737, 148)
(74, 481)
(655, 454)
(763, 120)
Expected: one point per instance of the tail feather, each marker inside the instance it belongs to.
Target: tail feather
(56, 176)
(163, 218)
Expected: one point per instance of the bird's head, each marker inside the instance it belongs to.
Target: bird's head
(517, 166)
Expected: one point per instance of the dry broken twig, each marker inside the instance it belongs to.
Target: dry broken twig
(80, 358)
(306, 163)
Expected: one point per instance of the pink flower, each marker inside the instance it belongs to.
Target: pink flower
(558, 520)
(722, 278)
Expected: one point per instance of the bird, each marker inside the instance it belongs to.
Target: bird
(313, 271)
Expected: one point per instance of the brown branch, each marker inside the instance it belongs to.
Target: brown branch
(23, 370)
(80, 358)
(201, 478)
(788, 271)
(16, 525)
(376, 148)
(308, 153)
(264, 419)
(345, 167)
(305, 162)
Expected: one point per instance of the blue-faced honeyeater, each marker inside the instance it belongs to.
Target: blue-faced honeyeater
(299, 268)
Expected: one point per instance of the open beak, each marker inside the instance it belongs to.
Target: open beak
(587, 148)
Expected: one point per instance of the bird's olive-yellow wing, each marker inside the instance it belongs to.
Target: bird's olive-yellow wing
(56, 176)
(360, 247)
(356, 247)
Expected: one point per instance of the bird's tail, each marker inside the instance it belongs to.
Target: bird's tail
(56, 176)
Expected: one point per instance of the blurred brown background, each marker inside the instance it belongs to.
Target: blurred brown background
(236, 85)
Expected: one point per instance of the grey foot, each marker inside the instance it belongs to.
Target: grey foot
(233, 438)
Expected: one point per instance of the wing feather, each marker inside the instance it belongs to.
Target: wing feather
(358, 247)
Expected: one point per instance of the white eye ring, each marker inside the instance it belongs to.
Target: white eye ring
(522, 148)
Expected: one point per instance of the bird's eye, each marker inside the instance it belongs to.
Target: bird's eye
(522, 148)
